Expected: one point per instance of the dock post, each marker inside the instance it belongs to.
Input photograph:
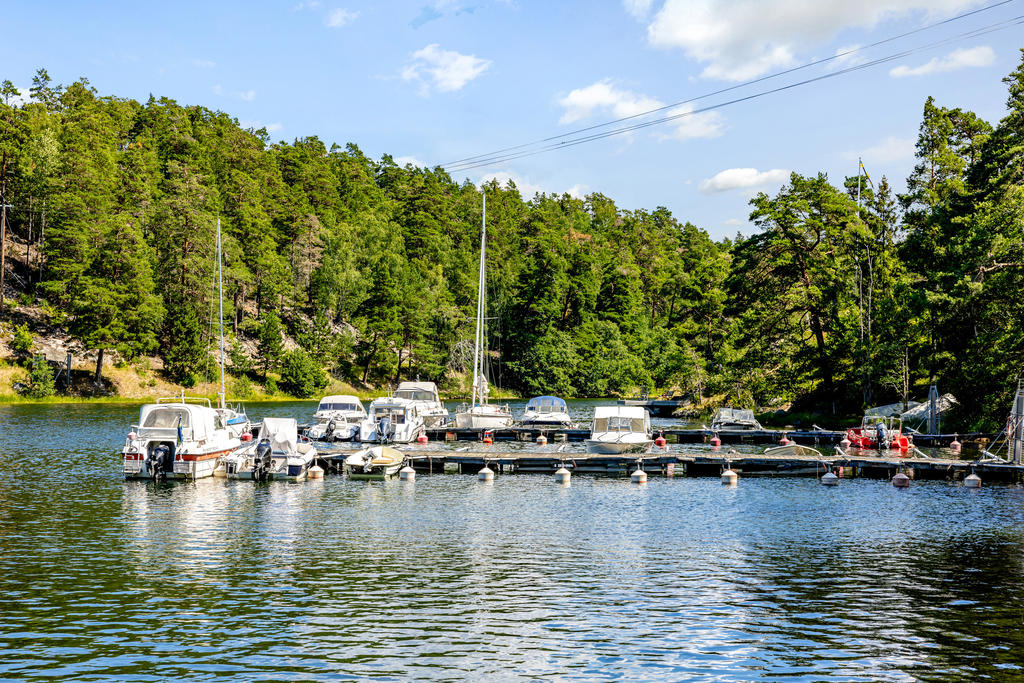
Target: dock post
(1015, 430)
(933, 409)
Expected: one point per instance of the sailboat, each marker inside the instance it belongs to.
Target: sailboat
(182, 437)
(480, 414)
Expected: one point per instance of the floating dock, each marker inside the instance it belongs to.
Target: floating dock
(850, 464)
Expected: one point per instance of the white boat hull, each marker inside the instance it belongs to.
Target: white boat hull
(618, 447)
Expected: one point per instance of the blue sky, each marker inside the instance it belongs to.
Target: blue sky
(435, 82)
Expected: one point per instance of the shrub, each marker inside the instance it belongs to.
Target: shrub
(40, 379)
(21, 342)
(301, 376)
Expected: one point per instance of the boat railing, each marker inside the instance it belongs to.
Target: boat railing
(198, 400)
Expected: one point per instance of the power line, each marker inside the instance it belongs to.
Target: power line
(549, 143)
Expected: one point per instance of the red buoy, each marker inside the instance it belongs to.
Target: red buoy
(245, 437)
(660, 441)
(784, 441)
(488, 437)
(422, 438)
(715, 441)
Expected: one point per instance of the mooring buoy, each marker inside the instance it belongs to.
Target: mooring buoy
(972, 481)
(422, 438)
(562, 475)
(729, 476)
(660, 441)
(542, 440)
(784, 441)
(407, 473)
(715, 441)
(901, 481)
(486, 474)
(845, 443)
(315, 472)
(829, 478)
(639, 476)
(955, 445)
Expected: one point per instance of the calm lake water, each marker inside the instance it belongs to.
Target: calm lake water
(449, 578)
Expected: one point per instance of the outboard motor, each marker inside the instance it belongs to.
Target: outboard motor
(883, 441)
(385, 430)
(330, 430)
(261, 462)
(160, 460)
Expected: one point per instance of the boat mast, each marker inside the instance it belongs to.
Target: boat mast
(220, 299)
(477, 388)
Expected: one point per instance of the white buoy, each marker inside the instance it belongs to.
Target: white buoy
(955, 445)
(562, 475)
(829, 478)
(972, 481)
(901, 481)
(407, 473)
(486, 474)
(315, 472)
(845, 443)
(639, 476)
(542, 440)
(729, 477)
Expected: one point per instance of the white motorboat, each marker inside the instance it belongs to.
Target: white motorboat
(276, 453)
(391, 420)
(620, 429)
(337, 419)
(548, 412)
(480, 414)
(378, 462)
(183, 438)
(177, 438)
(431, 409)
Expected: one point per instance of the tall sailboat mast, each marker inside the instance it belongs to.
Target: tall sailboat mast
(478, 393)
(220, 298)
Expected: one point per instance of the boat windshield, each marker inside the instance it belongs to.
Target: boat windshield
(338, 406)
(415, 394)
(397, 416)
(546, 405)
(619, 423)
(167, 418)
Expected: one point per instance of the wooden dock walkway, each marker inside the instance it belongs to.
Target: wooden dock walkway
(807, 437)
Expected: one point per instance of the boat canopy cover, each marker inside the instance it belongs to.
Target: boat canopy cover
(621, 419)
(736, 416)
(282, 432)
(417, 391)
(202, 420)
(546, 404)
(340, 402)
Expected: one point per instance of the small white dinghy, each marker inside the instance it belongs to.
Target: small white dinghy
(378, 462)
(276, 453)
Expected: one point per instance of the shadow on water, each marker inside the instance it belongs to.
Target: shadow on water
(451, 578)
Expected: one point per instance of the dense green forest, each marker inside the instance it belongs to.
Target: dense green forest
(371, 267)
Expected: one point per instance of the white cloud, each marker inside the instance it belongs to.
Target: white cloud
(445, 70)
(406, 160)
(203, 63)
(743, 39)
(21, 99)
(578, 191)
(340, 17)
(217, 90)
(957, 59)
(847, 56)
(603, 97)
(890, 150)
(638, 8)
(314, 4)
(525, 187)
(247, 95)
(742, 178)
(706, 124)
(256, 125)
(732, 222)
